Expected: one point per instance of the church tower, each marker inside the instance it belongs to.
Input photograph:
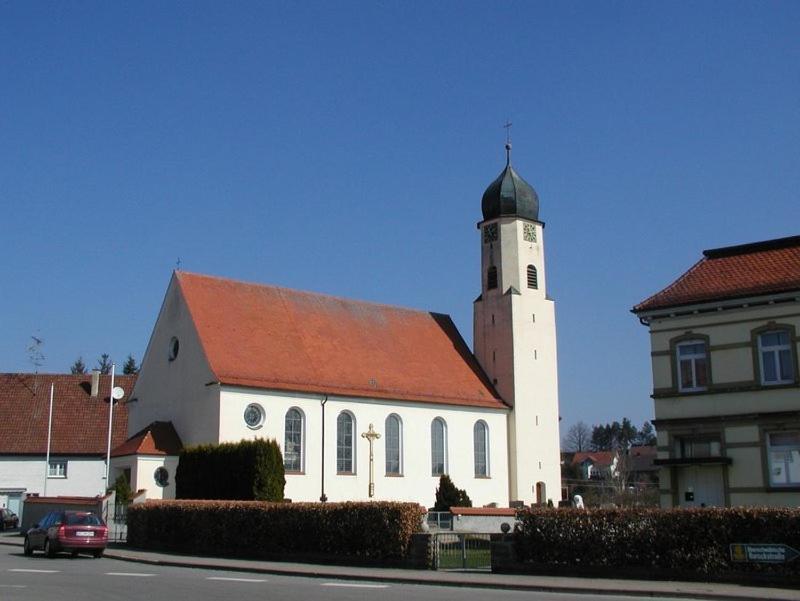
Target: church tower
(515, 334)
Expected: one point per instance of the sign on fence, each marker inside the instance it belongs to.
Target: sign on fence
(763, 553)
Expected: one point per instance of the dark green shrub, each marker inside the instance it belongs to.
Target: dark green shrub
(246, 470)
(123, 490)
(276, 530)
(448, 495)
(688, 541)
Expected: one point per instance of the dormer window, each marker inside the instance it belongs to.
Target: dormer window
(491, 278)
(533, 277)
(692, 366)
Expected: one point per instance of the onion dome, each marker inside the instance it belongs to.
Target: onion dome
(510, 195)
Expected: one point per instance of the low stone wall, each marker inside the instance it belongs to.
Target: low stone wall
(35, 508)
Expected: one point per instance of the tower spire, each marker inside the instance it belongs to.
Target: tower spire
(508, 141)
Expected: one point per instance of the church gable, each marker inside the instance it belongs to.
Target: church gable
(275, 338)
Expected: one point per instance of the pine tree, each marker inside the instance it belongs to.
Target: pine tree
(130, 367)
(104, 364)
(448, 495)
(79, 367)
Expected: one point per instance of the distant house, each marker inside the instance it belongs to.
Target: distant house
(596, 465)
(724, 340)
(640, 465)
(79, 435)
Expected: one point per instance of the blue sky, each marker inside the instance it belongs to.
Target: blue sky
(344, 148)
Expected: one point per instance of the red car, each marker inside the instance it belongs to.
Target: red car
(68, 531)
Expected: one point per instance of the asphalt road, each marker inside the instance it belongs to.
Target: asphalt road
(86, 579)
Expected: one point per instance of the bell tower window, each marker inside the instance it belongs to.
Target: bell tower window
(491, 278)
(533, 277)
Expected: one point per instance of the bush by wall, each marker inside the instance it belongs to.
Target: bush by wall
(246, 470)
(449, 495)
(276, 530)
(680, 541)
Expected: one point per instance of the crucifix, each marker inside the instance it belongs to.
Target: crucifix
(371, 435)
(508, 131)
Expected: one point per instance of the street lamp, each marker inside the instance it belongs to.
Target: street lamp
(116, 394)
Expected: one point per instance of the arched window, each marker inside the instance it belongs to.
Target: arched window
(541, 493)
(775, 357)
(394, 445)
(438, 447)
(481, 448)
(533, 277)
(293, 441)
(345, 428)
(491, 278)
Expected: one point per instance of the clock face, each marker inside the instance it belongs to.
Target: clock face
(490, 233)
(529, 232)
(253, 416)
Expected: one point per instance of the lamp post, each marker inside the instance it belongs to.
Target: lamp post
(116, 394)
(371, 435)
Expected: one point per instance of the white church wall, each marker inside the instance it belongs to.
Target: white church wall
(416, 483)
(85, 476)
(175, 389)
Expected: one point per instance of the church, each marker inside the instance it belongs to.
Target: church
(367, 401)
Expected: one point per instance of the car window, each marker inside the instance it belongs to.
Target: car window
(82, 519)
(45, 520)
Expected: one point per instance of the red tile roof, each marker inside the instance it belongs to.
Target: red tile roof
(159, 438)
(270, 337)
(483, 511)
(734, 272)
(80, 422)
(602, 458)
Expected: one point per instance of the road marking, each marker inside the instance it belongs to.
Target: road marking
(129, 574)
(236, 579)
(34, 571)
(13, 586)
(355, 585)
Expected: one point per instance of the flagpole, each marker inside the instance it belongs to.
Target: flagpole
(110, 416)
(49, 432)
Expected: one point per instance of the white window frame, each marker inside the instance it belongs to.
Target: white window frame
(775, 351)
(693, 359)
(53, 470)
(444, 448)
(399, 471)
(790, 452)
(302, 450)
(475, 439)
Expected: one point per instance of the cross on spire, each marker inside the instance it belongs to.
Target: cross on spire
(507, 126)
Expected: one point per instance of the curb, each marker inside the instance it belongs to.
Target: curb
(315, 571)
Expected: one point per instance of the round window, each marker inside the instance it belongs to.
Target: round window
(254, 416)
(161, 476)
(174, 347)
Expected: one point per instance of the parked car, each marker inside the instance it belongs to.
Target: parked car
(8, 519)
(67, 531)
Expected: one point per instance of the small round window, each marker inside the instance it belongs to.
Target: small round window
(254, 416)
(174, 347)
(161, 476)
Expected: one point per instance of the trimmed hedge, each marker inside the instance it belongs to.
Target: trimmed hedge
(682, 541)
(246, 470)
(254, 529)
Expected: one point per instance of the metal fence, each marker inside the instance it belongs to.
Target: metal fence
(440, 520)
(117, 522)
(462, 551)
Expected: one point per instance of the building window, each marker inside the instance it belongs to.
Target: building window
(344, 443)
(394, 445)
(161, 476)
(784, 458)
(481, 448)
(57, 469)
(438, 447)
(697, 447)
(775, 357)
(491, 278)
(293, 441)
(692, 366)
(254, 416)
(174, 347)
(533, 278)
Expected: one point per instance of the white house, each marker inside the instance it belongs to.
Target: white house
(229, 360)
(78, 440)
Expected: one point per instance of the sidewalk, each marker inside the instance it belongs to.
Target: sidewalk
(552, 584)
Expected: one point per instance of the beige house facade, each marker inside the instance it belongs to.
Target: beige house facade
(724, 349)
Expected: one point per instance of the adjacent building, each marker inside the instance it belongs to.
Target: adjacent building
(724, 339)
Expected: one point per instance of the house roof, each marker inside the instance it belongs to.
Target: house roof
(80, 421)
(159, 438)
(767, 267)
(276, 338)
(602, 458)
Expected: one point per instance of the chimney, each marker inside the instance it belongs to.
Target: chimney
(95, 382)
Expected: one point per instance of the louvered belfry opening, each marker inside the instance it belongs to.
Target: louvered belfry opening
(491, 278)
(533, 277)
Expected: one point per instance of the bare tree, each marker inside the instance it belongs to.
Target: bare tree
(577, 438)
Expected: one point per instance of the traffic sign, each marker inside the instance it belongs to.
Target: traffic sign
(768, 553)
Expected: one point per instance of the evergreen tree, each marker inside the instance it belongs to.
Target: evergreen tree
(104, 364)
(448, 495)
(130, 367)
(79, 367)
(646, 435)
(123, 490)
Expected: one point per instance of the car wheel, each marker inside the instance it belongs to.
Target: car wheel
(48, 549)
(97, 553)
(26, 547)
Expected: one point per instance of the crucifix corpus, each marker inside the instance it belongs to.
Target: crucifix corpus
(371, 435)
